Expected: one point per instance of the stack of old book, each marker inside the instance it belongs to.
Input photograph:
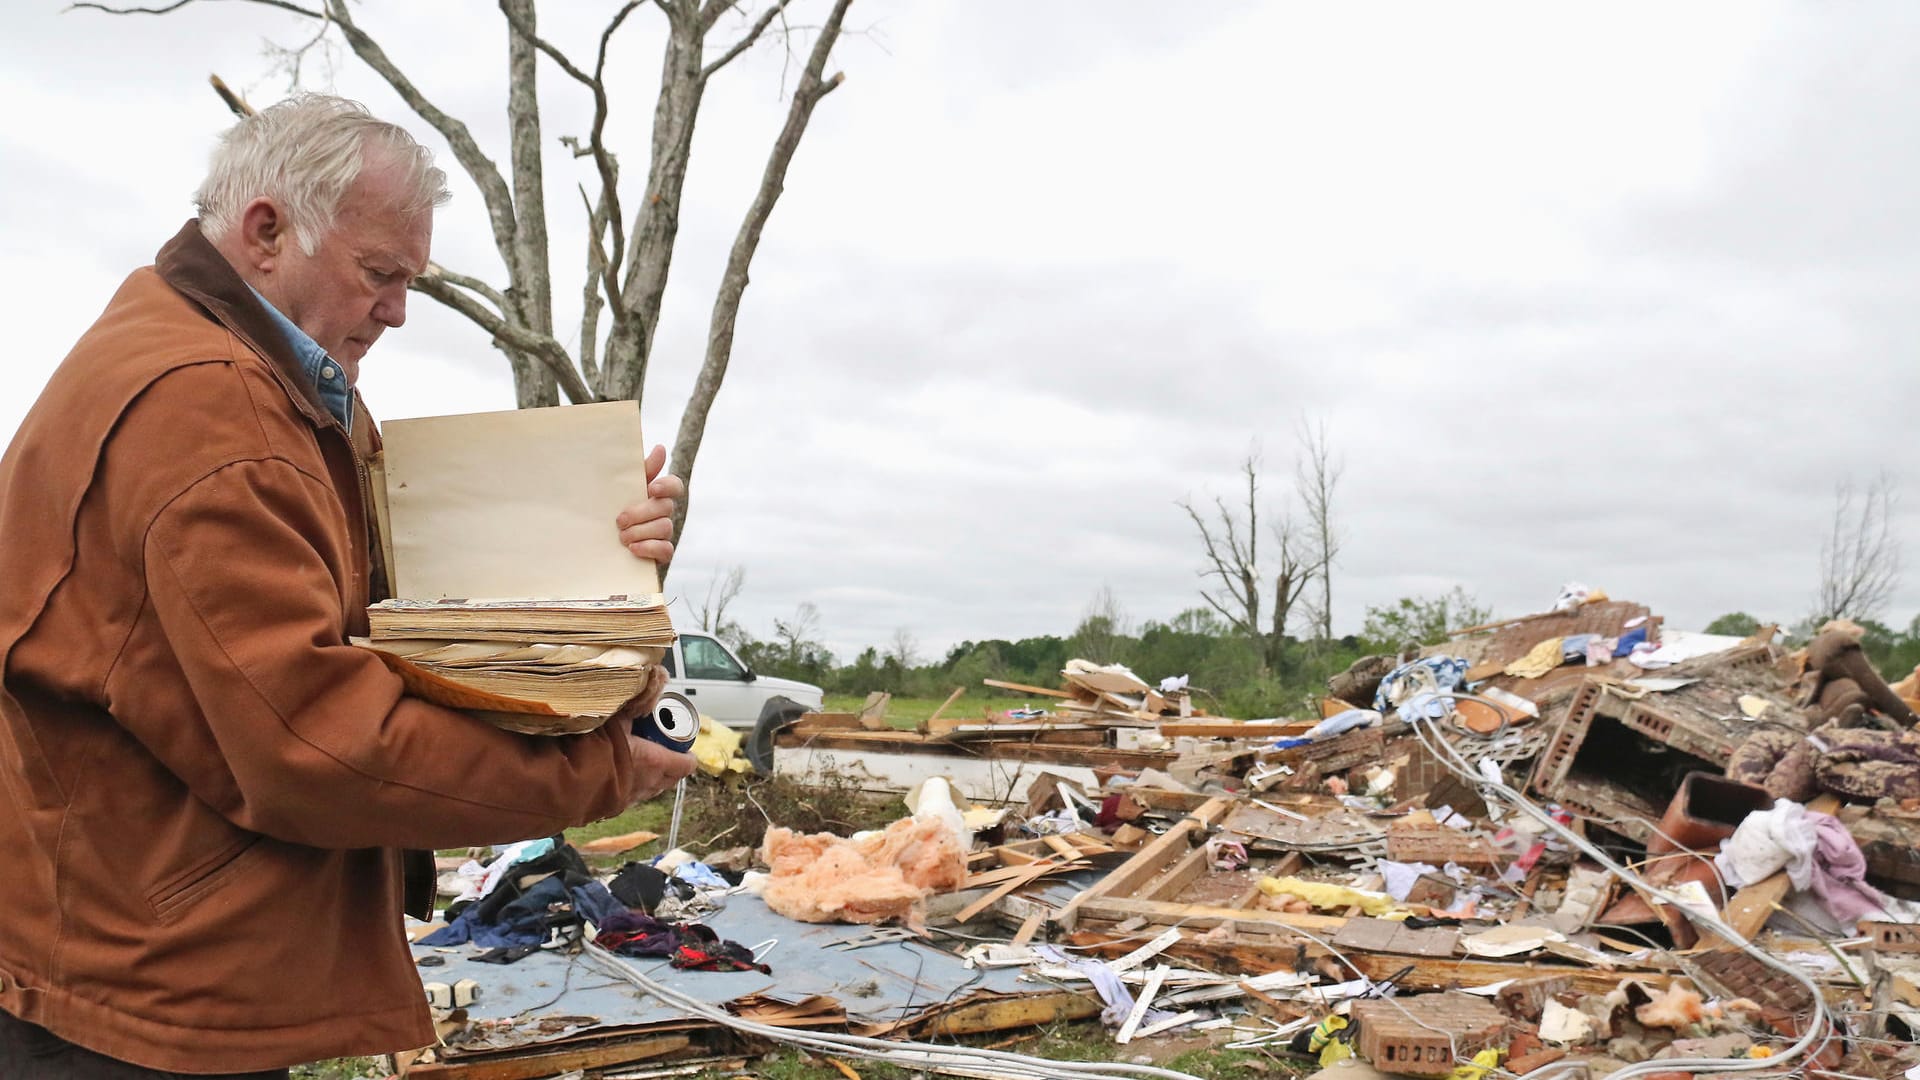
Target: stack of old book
(514, 597)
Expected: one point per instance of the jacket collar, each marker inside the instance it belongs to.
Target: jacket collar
(195, 269)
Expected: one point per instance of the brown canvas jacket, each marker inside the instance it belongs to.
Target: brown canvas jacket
(203, 789)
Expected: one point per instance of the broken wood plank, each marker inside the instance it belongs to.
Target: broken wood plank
(951, 698)
(533, 1066)
(1025, 689)
(1230, 729)
(1150, 861)
(999, 1014)
(1185, 871)
(1023, 875)
(1155, 979)
(1165, 914)
(1029, 928)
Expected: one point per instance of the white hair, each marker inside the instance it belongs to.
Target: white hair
(304, 153)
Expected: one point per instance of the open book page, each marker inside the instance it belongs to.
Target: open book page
(516, 505)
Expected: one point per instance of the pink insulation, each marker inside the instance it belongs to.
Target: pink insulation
(824, 878)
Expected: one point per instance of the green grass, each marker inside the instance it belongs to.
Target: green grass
(1078, 1040)
(358, 1068)
(907, 712)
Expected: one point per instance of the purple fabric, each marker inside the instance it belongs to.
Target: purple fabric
(1839, 872)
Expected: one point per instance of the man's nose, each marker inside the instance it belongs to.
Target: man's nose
(391, 309)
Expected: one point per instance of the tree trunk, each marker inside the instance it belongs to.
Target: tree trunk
(733, 284)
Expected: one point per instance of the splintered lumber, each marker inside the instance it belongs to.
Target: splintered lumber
(951, 698)
(1231, 729)
(1019, 877)
(1000, 1013)
(1150, 861)
(1258, 949)
(533, 1066)
(1025, 689)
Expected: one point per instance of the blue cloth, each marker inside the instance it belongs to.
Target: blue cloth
(595, 904)
(701, 875)
(1410, 681)
(1342, 722)
(522, 922)
(329, 378)
(1628, 640)
(1574, 647)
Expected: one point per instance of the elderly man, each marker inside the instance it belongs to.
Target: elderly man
(207, 791)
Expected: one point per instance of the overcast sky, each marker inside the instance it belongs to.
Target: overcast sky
(1615, 297)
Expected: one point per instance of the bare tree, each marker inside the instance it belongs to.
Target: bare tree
(627, 259)
(1316, 478)
(905, 649)
(722, 590)
(1860, 559)
(798, 636)
(1103, 629)
(1232, 544)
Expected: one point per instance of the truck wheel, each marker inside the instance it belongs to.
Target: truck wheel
(776, 714)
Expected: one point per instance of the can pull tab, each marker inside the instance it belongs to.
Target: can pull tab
(674, 723)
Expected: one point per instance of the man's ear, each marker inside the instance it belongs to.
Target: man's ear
(264, 234)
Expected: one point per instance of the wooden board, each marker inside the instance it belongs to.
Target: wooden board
(1025, 689)
(553, 1063)
(1151, 860)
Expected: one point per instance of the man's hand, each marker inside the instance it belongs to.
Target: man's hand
(656, 768)
(646, 527)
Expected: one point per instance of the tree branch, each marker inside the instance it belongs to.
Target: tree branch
(759, 27)
(733, 284)
(485, 174)
(178, 4)
(590, 299)
(541, 346)
(471, 284)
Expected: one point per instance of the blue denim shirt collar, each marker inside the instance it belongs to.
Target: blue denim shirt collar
(329, 378)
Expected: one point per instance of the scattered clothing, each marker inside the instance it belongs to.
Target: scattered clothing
(1539, 660)
(1815, 850)
(688, 946)
(1428, 675)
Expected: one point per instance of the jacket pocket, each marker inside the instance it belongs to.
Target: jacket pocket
(172, 897)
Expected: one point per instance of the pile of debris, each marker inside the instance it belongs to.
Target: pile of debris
(1570, 839)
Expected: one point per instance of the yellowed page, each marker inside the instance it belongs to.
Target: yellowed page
(516, 505)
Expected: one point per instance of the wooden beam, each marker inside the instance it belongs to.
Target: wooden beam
(1023, 875)
(1150, 861)
(1027, 1010)
(951, 698)
(553, 1063)
(1025, 689)
(1161, 913)
(1183, 872)
(1229, 729)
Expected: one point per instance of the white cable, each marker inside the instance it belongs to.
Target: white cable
(1819, 1029)
(913, 1055)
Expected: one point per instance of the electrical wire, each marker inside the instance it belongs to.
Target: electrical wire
(1820, 1028)
(912, 1055)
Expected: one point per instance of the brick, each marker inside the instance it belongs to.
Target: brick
(1526, 1063)
(1439, 845)
(1893, 937)
(1427, 1035)
(1737, 975)
(1360, 747)
(1525, 998)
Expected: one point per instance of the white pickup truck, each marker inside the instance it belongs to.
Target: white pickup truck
(729, 692)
